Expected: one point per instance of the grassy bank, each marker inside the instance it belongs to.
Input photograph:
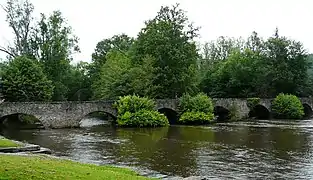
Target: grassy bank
(7, 143)
(42, 167)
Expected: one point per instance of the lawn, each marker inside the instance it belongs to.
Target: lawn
(43, 167)
(7, 143)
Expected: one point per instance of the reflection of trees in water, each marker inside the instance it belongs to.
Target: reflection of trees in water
(167, 150)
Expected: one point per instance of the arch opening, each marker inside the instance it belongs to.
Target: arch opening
(308, 112)
(171, 115)
(221, 113)
(19, 121)
(97, 118)
(260, 112)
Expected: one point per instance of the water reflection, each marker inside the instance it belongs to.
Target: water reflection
(256, 149)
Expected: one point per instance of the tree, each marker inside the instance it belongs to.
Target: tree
(19, 16)
(241, 75)
(110, 84)
(23, 80)
(288, 63)
(119, 77)
(168, 38)
(54, 45)
(79, 83)
(120, 43)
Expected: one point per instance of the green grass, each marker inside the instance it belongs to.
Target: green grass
(44, 168)
(7, 143)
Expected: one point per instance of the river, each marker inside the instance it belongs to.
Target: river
(259, 149)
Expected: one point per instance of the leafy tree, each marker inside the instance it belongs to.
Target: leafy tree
(118, 77)
(288, 64)
(120, 43)
(19, 16)
(241, 75)
(169, 39)
(54, 45)
(79, 82)
(23, 80)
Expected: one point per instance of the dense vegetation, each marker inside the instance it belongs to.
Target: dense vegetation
(196, 109)
(42, 167)
(163, 61)
(286, 106)
(134, 111)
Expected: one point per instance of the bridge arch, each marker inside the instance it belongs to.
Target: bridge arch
(171, 115)
(260, 112)
(97, 117)
(308, 112)
(222, 113)
(20, 121)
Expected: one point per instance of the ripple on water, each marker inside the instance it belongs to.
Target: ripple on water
(262, 149)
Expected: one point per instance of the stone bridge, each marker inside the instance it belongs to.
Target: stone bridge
(70, 113)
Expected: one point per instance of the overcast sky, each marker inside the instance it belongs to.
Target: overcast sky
(93, 20)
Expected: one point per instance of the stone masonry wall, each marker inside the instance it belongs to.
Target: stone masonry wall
(69, 114)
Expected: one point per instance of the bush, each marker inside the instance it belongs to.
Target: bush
(196, 110)
(286, 106)
(196, 118)
(252, 102)
(134, 111)
(143, 118)
(201, 102)
(133, 104)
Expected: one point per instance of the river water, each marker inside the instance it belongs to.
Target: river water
(242, 150)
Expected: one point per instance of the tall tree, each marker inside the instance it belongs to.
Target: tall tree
(19, 16)
(289, 64)
(169, 39)
(120, 43)
(54, 45)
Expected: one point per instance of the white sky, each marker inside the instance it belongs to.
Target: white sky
(94, 20)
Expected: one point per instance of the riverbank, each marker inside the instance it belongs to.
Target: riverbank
(38, 167)
(18, 161)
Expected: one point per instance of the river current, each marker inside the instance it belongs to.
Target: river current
(256, 149)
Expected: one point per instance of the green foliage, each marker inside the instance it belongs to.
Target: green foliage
(111, 83)
(121, 43)
(24, 80)
(257, 68)
(135, 111)
(79, 83)
(201, 102)
(196, 118)
(252, 102)
(193, 108)
(287, 106)
(142, 118)
(168, 38)
(118, 77)
(133, 103)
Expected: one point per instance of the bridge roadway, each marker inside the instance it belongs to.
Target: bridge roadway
(70, 113)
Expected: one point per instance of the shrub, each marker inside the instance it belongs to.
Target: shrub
(287, 106)
(201, 102)
(143, 118)
(134, 111)
(196, 110)
(252, 102)
(133, 103)
(196, 118)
